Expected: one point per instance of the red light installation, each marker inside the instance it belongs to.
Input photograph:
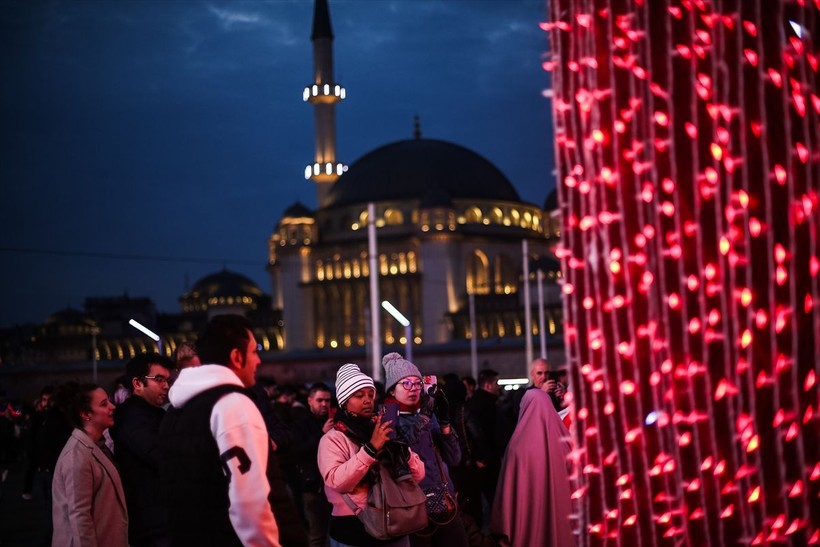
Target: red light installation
(686, 135)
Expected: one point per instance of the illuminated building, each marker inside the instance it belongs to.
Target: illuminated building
(448, 224)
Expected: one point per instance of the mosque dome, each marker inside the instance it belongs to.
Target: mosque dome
(68, 316)
(225, 288)
(297, 210)
(67, 322)
(411, 169)
(551, 203)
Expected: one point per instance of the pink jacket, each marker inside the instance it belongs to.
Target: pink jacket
(343, 464)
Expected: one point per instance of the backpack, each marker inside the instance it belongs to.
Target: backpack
(394, 508)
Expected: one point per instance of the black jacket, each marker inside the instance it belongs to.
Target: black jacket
(481, 417)
(305, 449)
(135, 434)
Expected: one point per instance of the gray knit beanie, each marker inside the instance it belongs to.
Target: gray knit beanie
(397, 367)
(349, 380)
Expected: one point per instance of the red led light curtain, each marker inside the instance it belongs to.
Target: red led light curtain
(687, 150)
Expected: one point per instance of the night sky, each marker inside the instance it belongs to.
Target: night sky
(174, 130)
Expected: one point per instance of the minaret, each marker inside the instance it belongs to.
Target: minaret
(323, 94)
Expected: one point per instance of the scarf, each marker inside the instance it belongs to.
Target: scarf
(357, 428)
(395, 455)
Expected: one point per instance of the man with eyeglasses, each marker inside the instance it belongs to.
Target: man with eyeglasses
(135, 434)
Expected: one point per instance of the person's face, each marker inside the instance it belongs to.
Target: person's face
(319, 403)
(491, 386)
(361, 402)
(153, 387)
(45, 401)
(538, 372)
(101, 414)
(408, 390)
(245, 369)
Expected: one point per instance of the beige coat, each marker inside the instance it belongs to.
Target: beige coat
(88, 504)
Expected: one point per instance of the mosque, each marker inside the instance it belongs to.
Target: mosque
(449, 225)
(449, 230)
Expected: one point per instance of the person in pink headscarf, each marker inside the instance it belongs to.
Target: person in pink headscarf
(532, 499)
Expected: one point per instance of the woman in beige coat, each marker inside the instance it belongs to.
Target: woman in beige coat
(88, 504)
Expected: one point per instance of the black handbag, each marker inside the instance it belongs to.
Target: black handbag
(441, 505)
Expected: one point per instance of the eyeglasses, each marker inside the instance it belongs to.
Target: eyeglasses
(410, 385)
(160, 379)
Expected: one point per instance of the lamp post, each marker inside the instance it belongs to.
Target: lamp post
(398, 316)
(148, 332)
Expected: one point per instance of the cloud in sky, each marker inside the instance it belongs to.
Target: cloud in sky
(232, 19)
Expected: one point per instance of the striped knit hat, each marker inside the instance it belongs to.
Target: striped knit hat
(349, 380)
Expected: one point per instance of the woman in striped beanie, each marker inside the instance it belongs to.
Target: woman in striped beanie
(349, 450)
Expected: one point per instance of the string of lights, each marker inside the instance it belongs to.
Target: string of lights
(686, 135)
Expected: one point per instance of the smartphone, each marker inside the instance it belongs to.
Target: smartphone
(555, 375)
(390, 413)
(430, 384)
(331, 414)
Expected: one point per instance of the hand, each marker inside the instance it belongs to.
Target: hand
(328, 425)
(549, 386)
(380, 434)
(480, 464)
(441, 408)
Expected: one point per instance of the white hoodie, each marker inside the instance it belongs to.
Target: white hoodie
(236, 425)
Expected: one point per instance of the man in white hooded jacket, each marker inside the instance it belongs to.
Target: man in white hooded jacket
(213, 442)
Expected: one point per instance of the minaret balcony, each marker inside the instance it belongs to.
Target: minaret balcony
(323, 93)
(324, 172)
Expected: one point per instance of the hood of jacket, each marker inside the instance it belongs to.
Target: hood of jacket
(194, 380)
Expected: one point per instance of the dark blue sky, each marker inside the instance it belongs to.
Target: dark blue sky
(176, 128)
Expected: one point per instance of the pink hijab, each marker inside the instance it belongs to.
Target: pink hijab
(532, 500)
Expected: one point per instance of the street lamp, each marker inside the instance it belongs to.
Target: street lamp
(398, 316)
(148, 332)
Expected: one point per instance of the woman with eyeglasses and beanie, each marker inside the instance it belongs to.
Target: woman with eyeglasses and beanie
(88, 503)
(348, 452)
(424, 424)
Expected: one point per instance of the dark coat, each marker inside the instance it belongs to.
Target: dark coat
(135, 434)
(481, 417)
(305, 449)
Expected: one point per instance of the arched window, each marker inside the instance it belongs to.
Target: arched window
(478, 273)
(393, 217)
(504, 278)
(473, 215)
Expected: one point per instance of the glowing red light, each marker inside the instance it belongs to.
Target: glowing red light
(780, 174)
(754, 495)
(809, 382)
(755, 227)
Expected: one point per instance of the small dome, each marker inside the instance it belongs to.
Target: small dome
(297, 210)
(551, 203)
(224, 283)
(407, 170)
(68, 316)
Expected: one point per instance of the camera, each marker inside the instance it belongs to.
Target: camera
(430, 384)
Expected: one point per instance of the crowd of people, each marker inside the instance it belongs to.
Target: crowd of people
(195, 451)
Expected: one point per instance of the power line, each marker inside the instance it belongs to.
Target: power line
(119, 256)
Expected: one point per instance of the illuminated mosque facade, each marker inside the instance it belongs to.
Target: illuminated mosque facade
(449, 224)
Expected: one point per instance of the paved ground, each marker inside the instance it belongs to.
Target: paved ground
(22, 523)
